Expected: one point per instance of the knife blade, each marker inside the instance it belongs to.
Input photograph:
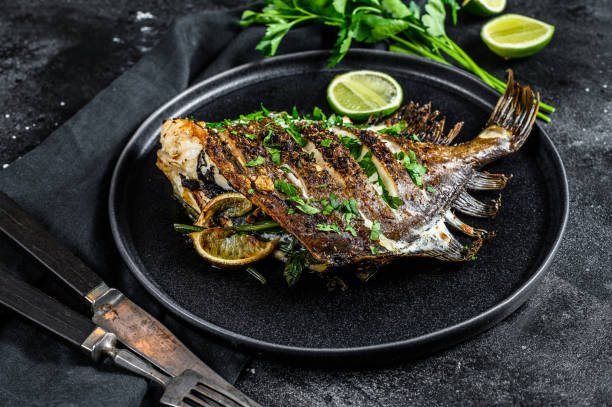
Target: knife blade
(112, 310)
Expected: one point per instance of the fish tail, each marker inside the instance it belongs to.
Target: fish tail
(516, 111)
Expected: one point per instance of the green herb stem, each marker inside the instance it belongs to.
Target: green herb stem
(183, 228)
(252, 271)
(256, 227)
(412, 29)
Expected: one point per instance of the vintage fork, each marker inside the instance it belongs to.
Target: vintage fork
(185, 390)
(111, 309)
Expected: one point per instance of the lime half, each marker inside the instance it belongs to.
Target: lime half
(484, 8)
(516, 36)
(361, 94)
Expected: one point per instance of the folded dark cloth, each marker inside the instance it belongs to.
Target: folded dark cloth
(64, 184)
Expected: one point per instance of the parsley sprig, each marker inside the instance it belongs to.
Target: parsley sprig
(291, 191)
(409, 29)
(415, 170)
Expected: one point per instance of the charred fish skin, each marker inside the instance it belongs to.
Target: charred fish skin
(388, 177)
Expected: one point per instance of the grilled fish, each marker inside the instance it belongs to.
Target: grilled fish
(353, 195)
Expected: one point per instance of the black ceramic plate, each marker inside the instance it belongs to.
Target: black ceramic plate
(412, 307)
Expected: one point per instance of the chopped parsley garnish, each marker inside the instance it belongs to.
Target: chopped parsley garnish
(294, 131)
(216, 126)
(351, 230)
(274, 155)
(393, 201)
(353, 145)
(256, 161)
(250, 191)
(286, 169)
(285, 187)
(264, 110)
(317, 114)
(332, 121)
(290, 211)
(334, 201)
(350, 206)
(347, 217)
(414, 137)
(375, 232)
(255, 116)
(415, 170)
(193, 119)
(474, 258)
(321, 186)
(328, 210)
(290, 190)
(265, 140)
(326, 142)
(250, 136)
(329, 228)
(304, 207)
(367, 164)
(430, 189)
(374, 249)
(294, 114)
(394, 130)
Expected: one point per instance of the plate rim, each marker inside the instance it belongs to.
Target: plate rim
(438, 339)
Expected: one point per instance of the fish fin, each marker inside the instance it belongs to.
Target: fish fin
(482, 181)
(516, 111)
(455, 251)
(458, 224)
(471, 206)
(454, 132)
(423, 122)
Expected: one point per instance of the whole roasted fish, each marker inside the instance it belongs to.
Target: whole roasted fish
(352, 194)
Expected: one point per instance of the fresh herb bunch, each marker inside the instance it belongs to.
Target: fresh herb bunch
(408, 29)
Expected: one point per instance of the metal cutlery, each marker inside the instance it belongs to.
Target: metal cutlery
(187, 389)
(112, 311)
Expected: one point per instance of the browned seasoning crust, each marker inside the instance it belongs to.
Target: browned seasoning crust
(255, 155)
(228, 150)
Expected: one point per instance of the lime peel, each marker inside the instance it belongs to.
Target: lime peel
(484, 8)
(516, 36)
(361, 94)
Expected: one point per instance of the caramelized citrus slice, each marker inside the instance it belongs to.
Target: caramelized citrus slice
(226, 248)
(234, 204)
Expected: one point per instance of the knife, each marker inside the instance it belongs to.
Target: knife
(112, 311)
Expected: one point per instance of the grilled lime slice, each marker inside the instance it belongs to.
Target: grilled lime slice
(516, 36)
(361, 94)
(234, 204)
(484, 8)
(226, 248)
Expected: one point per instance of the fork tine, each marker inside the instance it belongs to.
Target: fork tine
(213, 394)
(196, 401)
(226, 399)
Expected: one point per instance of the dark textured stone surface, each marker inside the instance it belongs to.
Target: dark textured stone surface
(56, 55)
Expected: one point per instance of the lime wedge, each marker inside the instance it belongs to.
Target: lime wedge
(516, 36)
(484, 8)
(360, 94)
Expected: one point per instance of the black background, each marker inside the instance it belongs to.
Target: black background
(55, 56)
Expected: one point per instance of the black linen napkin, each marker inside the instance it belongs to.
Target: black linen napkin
(64, 184)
